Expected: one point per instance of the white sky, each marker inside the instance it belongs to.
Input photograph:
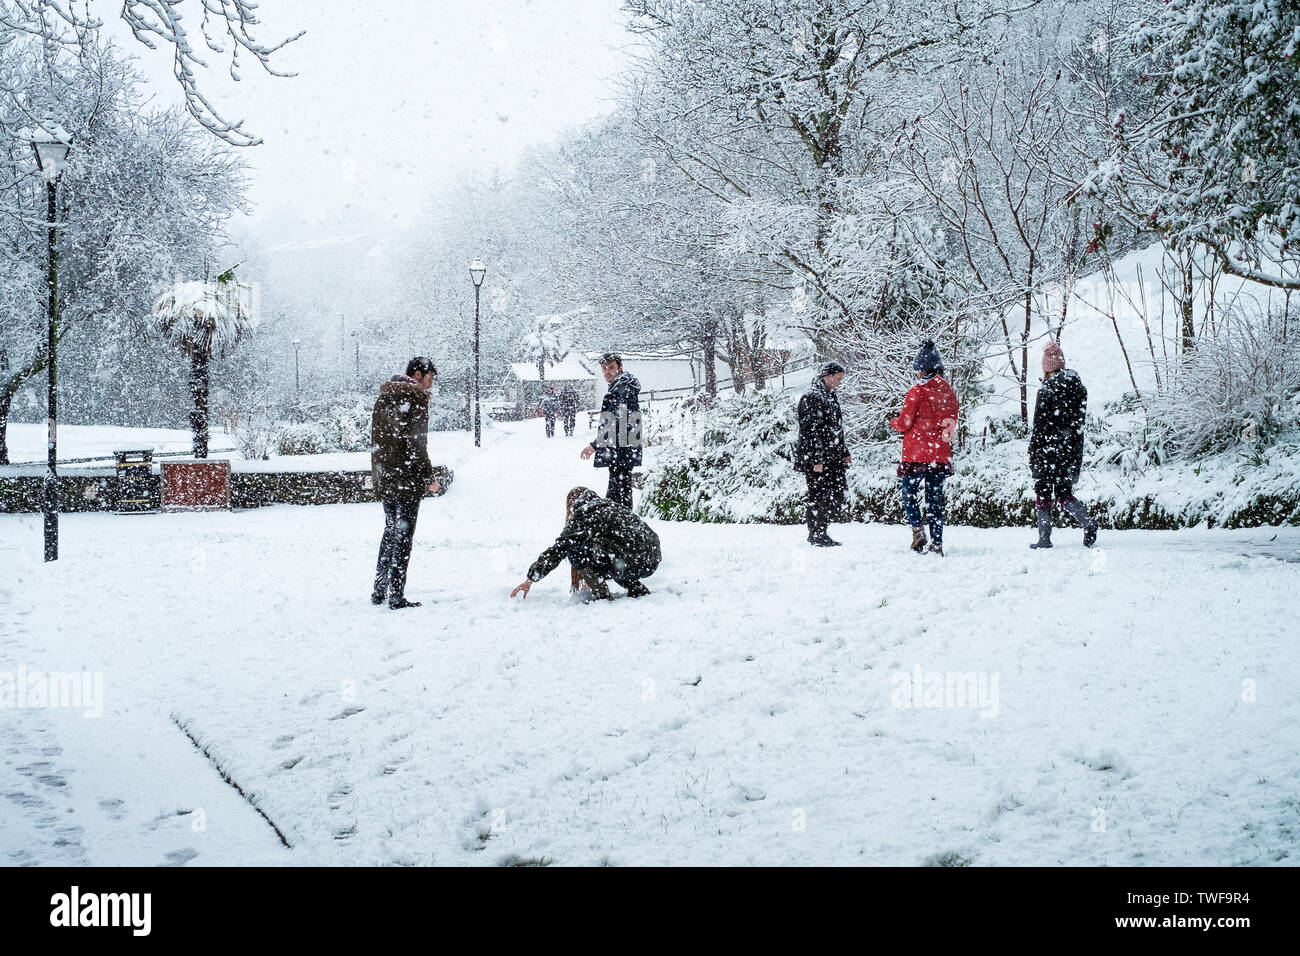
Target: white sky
(416, 94)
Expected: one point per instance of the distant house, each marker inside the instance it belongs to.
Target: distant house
(522, 390)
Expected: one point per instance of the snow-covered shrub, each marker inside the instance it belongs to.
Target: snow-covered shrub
(348, 424)
(255, 437)
(1238, 387)
(736, 464)
(446, 411)
(1006, 428)
(301, 438)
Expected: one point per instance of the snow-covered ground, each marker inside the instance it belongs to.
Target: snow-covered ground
(1135, 704)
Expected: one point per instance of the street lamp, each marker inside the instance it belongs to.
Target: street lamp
(476, 273)
(297, 382)
(51, 142)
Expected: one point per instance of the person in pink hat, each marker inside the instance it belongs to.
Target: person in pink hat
(1056, 446)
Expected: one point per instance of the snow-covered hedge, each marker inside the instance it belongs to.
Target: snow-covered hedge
(732, 463)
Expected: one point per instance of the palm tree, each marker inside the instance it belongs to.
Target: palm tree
(203, 319)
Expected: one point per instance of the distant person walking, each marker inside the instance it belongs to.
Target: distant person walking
(821, 455)
(550, 408)
(1056, 446)
(402, 472)
(602, 541)
(569, 402)
(618, 439)
(927, 421)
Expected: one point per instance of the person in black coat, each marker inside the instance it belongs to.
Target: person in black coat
(601, 540)
(569, 402)
(549, 407)
(821, 455)
(1056, 446)
(618, 438)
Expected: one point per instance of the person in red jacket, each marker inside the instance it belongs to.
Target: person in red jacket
(927, 421)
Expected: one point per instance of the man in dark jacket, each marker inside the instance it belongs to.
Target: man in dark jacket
(549, 407)
(601, 540)
(401, 470)
(618, 439)
(1056, 446)
(569, 409)
(822, 456)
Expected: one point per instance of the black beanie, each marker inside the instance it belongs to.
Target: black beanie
(928, 360)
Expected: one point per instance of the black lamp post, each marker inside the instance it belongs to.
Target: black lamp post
(297, 381)
(476, 273)
(51, 143)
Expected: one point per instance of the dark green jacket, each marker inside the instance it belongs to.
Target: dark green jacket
(399, 440)
(604, 536)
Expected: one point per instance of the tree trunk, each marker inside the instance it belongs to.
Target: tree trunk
(758, 352)
(8, 389)
(1024, 344)
(1189, 328)
(199, 383)
(6, 401)
(710, 370)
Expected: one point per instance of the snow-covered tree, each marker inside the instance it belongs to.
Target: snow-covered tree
(145, 198)
(1214, 159)
(225, 27)
(204, 320)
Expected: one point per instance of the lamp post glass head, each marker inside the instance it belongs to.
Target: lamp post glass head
(51, 143)
(477, 271)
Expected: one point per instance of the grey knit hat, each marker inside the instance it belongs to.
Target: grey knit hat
(830, 368)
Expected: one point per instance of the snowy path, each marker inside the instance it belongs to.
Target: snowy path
(745, 712)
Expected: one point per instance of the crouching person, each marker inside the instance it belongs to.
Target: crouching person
(602, 540)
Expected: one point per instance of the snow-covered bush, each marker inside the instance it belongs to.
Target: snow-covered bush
(301, 438)
(1006, 428)
(447, 411)
(733, 462)
(347, 425)
(256, 437)
(1238, 387)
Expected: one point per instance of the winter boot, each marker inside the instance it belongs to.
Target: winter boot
(918, 539)
(936, 548)
(596, 585)
(823, 540)
(635, 589)
(1044, 516)
(377, 598)
(1075, 509)
(397, 603)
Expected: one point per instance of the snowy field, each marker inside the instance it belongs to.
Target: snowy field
(1132, 705)
(27, 441)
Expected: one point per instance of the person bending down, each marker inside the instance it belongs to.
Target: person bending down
(602, 541)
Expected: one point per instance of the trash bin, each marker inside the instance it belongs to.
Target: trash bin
(134, 481)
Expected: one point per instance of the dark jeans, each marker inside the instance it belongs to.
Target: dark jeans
(1062, 489)
(570, 423)
(620, 485)
(933, 502)
(823, 501)
(400, 515)
(550, 426)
